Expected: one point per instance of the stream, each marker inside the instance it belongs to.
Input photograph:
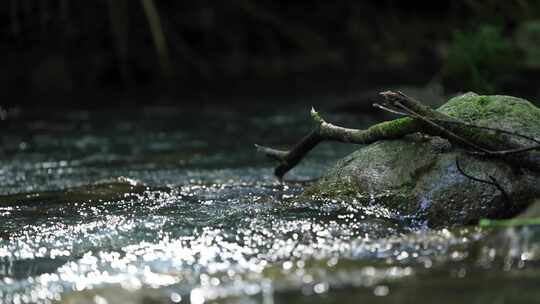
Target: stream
(173, 205)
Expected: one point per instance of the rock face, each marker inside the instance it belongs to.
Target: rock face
(418, 176)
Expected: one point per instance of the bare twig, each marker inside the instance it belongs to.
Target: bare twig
(503, 153)
(387, 109)
(493, 182)
(482, 143)
(444, 132)
(496, 130)
(436, 123)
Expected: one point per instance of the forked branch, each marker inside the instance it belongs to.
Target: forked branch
(325, 131)
(481, 141)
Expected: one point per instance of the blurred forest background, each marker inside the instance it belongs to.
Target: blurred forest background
(89, 53)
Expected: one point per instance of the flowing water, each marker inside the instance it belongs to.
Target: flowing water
(171, 205)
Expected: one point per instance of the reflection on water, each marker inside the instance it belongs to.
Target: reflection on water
(173, 206)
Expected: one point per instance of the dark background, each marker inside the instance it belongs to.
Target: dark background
(104, 53)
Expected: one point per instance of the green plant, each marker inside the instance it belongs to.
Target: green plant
(509, 223)
(479, 60)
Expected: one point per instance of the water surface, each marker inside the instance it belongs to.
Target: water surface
(172, 205)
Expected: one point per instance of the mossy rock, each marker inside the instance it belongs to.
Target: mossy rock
(418, 175)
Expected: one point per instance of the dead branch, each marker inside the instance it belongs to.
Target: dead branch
(479, 141)
(493, 182)
(497, 130)
(325, 131)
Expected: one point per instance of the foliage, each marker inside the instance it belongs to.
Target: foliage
(479, 60)
(528, 41)
(509, 223)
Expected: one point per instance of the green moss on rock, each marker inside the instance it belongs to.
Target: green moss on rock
(417, 174)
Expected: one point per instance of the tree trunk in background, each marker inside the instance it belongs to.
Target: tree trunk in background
(119, 18)
(159, 38)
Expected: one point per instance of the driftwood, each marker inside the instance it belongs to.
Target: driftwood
(480, 141)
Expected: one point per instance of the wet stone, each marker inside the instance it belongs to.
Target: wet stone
(418, 175)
